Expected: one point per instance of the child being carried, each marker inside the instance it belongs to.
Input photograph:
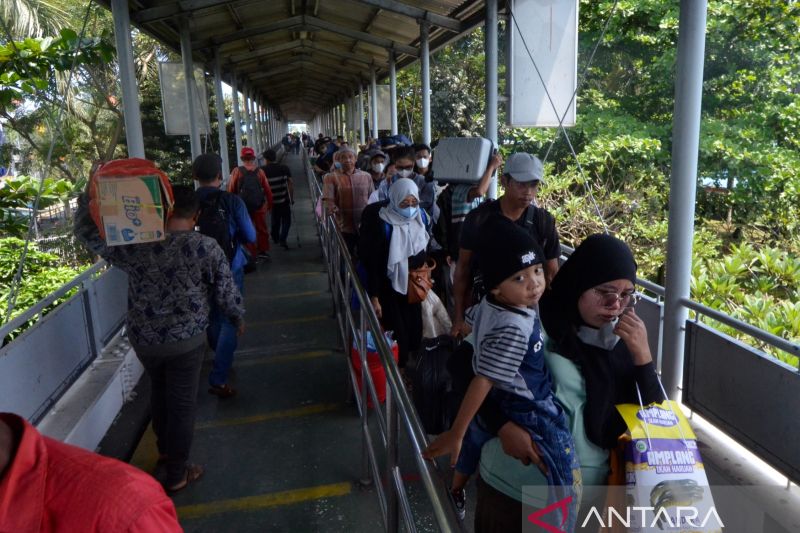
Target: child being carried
(508, 361)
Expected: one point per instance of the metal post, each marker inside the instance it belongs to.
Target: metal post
(685, 147)
(373, 102)
(237, 121)
(424, 53)
(191, 88)
(490, 48)
(393, 91)
(392, 448)
(257, 124)
(223, 134)
(127, 74)
(246, 113)
(361, 133)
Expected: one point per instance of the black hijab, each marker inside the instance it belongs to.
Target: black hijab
(609, 374)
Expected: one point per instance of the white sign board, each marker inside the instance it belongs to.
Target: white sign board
(384, 108)
(547, 32)
(173, 99)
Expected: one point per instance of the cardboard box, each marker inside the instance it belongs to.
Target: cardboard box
(132, 209)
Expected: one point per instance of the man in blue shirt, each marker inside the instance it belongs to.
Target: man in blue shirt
(207, 170)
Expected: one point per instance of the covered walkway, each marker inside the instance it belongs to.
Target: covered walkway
(286, 450)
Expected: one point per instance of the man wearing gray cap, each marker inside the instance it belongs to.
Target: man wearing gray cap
(522, 174)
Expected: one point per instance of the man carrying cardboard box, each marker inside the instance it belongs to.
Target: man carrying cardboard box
(171, 284)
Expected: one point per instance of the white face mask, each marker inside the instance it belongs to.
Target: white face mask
(602, 338)
(422, 162)
(378, 167)
(405, 173)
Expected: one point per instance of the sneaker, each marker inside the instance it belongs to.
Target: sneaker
(264, 256)
(285, 245)
(460, 499)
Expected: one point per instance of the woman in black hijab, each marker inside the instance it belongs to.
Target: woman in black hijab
(598, 354)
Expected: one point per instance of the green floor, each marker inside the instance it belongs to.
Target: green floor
(283, 455)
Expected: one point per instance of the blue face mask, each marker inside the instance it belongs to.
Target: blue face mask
(406, 212)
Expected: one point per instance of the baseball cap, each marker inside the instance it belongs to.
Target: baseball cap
(377, 153)
(524, 167)
(247, 151)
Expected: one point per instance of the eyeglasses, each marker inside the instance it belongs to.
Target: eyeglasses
(608, 298)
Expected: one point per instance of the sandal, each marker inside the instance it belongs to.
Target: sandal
(222, 391)
(193, 473)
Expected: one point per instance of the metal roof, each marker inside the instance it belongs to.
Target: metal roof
(303, 55)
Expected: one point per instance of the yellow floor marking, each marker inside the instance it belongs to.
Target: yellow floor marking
(145, 455)
(289, 320)
(306, 410)
(295, 274)
(269, 359)
(283, 296)
(263, 501)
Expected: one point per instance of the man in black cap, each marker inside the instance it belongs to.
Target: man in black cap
(522, 175)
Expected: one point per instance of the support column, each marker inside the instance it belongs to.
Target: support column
(237, 121)
(127, 74)
(373, 102)
(361, 133)
(490, 48)
(222, 133)
(248, 128)
(191, 88)
(425, 60)
(257, 123)
(683, 183)
(393, 90)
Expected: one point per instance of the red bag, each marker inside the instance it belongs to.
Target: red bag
(375, 369)
(126, 168)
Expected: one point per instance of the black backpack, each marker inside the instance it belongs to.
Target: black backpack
(214, 221)
(250, 190)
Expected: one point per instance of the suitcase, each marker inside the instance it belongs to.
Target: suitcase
(461, 159)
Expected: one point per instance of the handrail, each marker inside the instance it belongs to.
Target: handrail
(399, 406)
(41, 305)
(744, 327)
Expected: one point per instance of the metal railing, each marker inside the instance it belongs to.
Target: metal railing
(42, 362)
(398, 409)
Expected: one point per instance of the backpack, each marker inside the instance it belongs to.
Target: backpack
(214, 221)
(250, 190)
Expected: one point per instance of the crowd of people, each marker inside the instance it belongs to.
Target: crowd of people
(545, 352)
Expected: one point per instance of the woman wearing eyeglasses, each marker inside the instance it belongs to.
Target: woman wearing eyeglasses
(597, 353)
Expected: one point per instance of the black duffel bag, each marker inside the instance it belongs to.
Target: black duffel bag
(432, 384)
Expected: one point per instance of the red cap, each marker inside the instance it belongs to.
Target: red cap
(248, 152)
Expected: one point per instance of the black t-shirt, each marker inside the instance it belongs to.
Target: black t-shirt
(541, 225)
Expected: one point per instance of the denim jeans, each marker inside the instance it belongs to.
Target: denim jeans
(281, 221)
(222, 337)
(173, 403)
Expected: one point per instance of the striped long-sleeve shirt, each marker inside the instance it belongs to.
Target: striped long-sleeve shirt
(508, 349)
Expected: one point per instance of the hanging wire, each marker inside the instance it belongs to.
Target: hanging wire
(15, 283)
(561, 126)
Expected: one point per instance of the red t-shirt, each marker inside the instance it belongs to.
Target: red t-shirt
(50, 486)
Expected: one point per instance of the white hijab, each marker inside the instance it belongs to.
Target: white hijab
(409, 236)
